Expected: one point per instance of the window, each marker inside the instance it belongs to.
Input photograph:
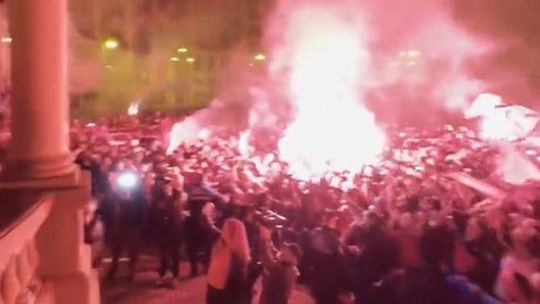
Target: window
(197, 65)
(211, 63)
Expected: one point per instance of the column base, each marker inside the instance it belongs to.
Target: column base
(81, 288)
(44, 173)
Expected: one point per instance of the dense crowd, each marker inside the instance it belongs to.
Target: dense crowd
(404, 231)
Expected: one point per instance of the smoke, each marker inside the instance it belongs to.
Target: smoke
(424, 62)
(500, 121)
(84, 73)
(420, 56)
(510, 70)
(323, 67)
(514, 167)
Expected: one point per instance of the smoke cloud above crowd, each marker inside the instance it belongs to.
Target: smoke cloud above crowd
(419, 54)
(324, 67)
(336, 68)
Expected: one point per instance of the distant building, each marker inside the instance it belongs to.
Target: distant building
(151, 33)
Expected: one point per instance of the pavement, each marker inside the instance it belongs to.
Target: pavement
(143, 289)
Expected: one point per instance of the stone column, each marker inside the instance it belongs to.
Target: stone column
(39, 148)
(65, 259)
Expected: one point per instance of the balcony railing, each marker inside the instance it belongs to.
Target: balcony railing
(22, 215)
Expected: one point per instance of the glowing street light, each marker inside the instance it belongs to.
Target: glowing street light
(190, 60)
(111, 43)
(260, 57)
(175, 59)
(6, 40)
(182, 50)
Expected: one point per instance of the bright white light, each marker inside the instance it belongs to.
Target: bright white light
(499, 121)
(175, 59)
(413, 53)
(514, 168)
(133, 108)
(187, 131)
(111, 43)
(127, 180)
(190, 60)
(204, 134)
(182, 50)
(484, 104)
(243, 144)
(327, 63)
(6, 40)
(260, 57)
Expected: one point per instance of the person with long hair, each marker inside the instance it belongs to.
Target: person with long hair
(227, 274)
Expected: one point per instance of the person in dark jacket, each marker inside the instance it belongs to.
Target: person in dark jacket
(379, 256)
(329, 276)
(123, 217)
(433, 281)
(199, 235)
(483, 245)
(280, 269)
(99, 180)
(166, 220)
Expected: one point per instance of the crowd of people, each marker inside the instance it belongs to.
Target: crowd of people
(404, 231)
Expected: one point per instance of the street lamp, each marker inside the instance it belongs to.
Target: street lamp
(259, 57)
(190, 60)
(111, 43)
(175, 59)
(182, 50)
